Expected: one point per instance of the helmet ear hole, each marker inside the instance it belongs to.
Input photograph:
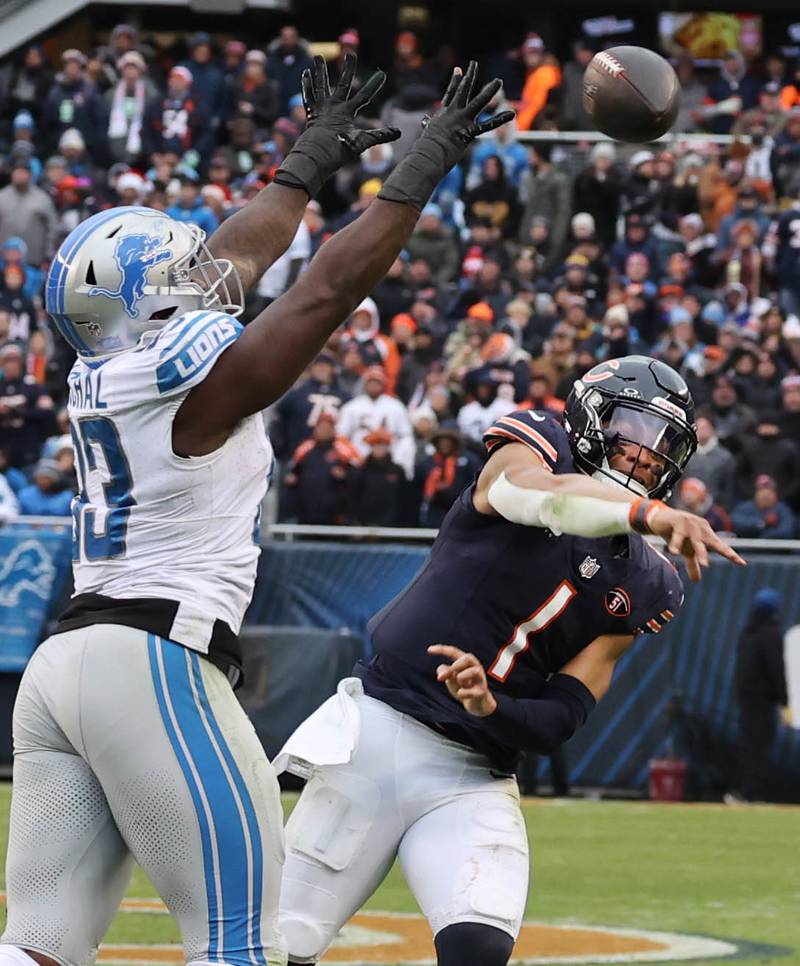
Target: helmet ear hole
(91, 279)
(163, 314)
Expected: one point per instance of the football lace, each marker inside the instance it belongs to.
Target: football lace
(609, 64)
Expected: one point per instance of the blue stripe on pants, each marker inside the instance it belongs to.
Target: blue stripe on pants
(221, 810)
(246, 804)
(157, 671)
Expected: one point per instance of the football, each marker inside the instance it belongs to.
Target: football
(631, 93)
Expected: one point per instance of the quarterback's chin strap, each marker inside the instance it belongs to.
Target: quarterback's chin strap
(581, 516)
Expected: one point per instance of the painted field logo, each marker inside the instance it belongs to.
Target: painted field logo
(397, 939)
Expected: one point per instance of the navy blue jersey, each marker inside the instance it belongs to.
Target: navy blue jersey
(524, 601)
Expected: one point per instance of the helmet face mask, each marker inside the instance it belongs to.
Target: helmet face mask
(629, 421)
(128, 271)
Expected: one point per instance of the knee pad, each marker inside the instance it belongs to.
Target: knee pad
(473, 942)
(305, 938)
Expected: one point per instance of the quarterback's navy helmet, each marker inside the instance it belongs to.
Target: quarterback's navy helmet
(634, 400)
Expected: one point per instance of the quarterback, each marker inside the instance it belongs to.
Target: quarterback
(537, 583)
(129, 743)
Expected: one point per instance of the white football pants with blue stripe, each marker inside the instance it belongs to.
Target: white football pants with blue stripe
(130, 747)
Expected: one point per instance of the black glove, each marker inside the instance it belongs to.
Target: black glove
(444, 139)
(331, 138)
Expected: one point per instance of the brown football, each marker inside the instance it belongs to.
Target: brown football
(631, 93)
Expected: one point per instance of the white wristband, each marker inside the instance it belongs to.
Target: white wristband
(581, 516)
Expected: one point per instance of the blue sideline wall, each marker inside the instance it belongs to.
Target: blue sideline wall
(673, 692)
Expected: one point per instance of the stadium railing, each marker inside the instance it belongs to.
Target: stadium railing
(298, 531)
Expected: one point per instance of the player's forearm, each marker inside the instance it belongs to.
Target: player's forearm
(352, 263)
(543, 723)
(594, 665)
(258, 234)
(281, 342)
(569, 504)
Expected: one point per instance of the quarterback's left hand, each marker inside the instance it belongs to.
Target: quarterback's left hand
(465, 679)
(331, 138)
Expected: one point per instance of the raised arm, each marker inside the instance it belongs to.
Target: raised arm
(275, 348)
(515, 484)
(261, 232)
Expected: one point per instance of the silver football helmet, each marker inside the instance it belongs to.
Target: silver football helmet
(127, 271)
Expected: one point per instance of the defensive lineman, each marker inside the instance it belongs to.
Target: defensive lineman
(129, 743)
(536, 584)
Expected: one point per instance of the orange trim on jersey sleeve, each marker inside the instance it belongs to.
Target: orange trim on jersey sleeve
(547, 448)
(492, 444)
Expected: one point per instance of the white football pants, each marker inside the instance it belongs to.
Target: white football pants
(406, 792)
(128, 746)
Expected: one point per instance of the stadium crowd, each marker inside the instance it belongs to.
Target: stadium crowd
(532, 263)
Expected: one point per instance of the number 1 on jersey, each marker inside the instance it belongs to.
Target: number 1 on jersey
(542, 617)
(100, 531)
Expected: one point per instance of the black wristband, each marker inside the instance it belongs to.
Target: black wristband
(414, 180)
(316, 156)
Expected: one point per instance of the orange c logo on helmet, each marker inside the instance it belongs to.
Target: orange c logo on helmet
(594, 376)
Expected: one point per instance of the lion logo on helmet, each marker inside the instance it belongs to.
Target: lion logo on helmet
(135, 255)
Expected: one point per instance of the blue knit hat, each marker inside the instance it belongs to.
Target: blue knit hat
(767, 600)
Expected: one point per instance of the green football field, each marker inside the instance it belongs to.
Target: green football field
(729, 873)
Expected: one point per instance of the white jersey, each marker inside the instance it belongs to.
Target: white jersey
(146, 522)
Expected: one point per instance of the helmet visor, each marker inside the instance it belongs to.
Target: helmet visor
(646, 445)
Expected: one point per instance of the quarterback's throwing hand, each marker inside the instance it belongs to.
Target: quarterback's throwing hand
(465, 679)
(691, 537)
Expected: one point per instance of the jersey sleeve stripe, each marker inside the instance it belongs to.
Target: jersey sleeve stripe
(198, 349)
(506, 434)
(537, 438)
(175, 335)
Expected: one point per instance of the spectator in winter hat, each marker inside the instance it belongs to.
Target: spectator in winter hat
(733, 419)
(374, 408)
(189, 206)
(208, 80)
(379, 487)
(765, 515)
(695, 497)
(543, 75)
(124, 37)
(444, 475)
(126, 104)
(28, 213)
(29, 84)
(712, 462)
(733, 92)
(375, 348)
(320, 475)
(14, 251)
(255, 96)
(767, 451)
(72, 102)
(160, 135)
(433, 242)
(234, 59)
(46, 495)
(287, 58)
(597, 190)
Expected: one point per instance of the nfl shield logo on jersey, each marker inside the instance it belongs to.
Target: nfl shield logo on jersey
(588, 568)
